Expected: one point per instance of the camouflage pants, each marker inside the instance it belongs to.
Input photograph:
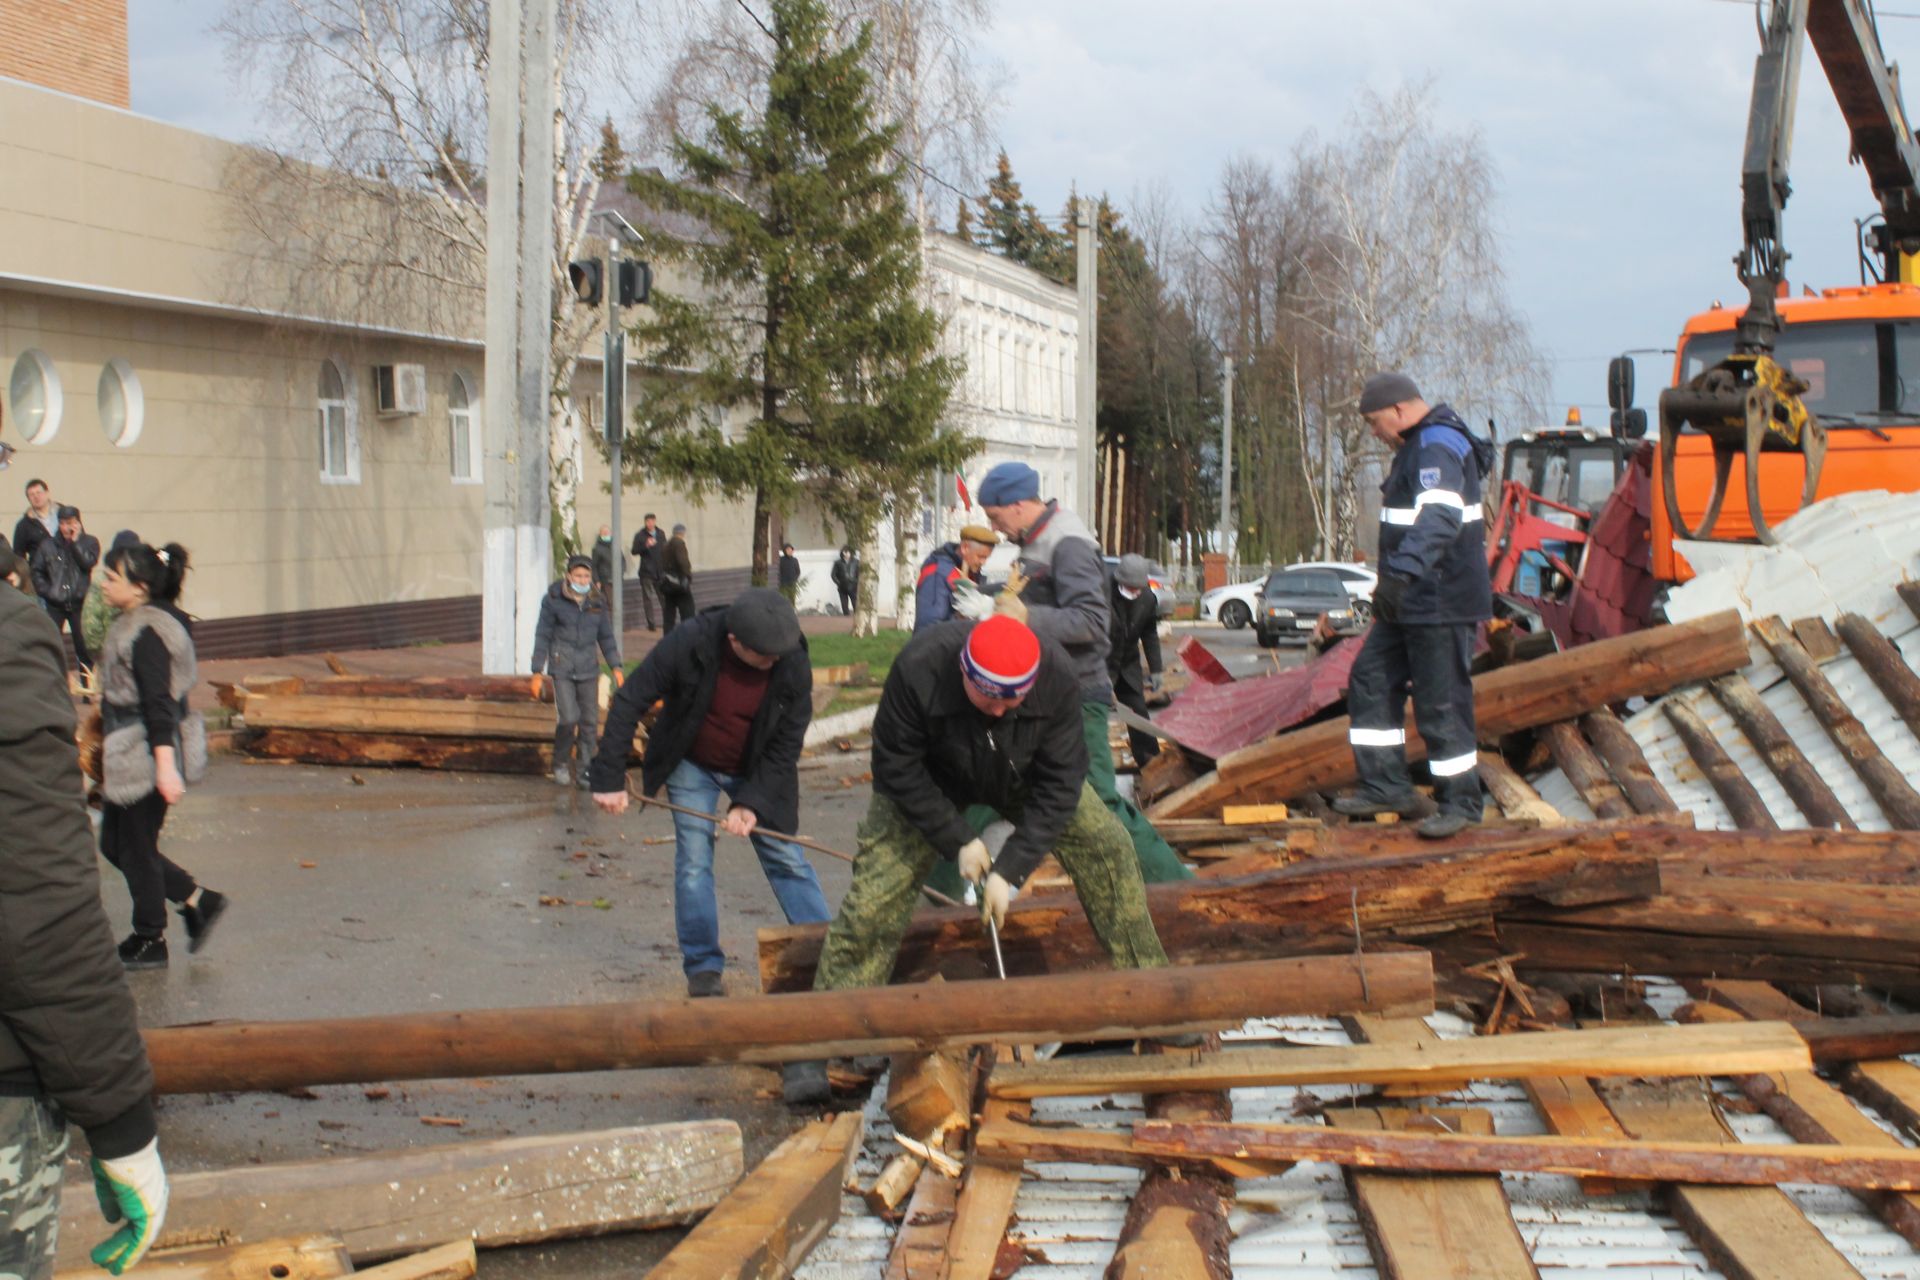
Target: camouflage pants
(894, 861)
(33, 1144)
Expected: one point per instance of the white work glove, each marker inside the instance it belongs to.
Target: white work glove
(995, 897)
(1153, 682)
(133, 1190)
(975, 861)
(971, 602)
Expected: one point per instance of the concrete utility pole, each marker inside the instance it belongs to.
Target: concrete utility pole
(1226, 455)
(1086, 383)
(518, 539)
(613, 414)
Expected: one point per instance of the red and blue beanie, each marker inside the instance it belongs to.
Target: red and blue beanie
(1001, 658)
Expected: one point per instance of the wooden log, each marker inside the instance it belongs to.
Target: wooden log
(1584, 770)
(1746, 1164)
(1855, 857)
(434, 717)
(1733, 927)
(1895, 795)
(1176, 1223)
(396, 750)
(1881, 659)
(1750, 812)
(1748, 1233)
(1816, 800)
(1626, 762)
(1522, 696)
(1891, 1087)
(1185, 833)
(896, 1182)
(920, 1245)
(445, 688)
(984, 1209)
(771, 1221)
(503, 1192)
(621, 1036)
(928, 1094)
(1304, 907)
(454, 1261)
(309, 1258)
(1635, 1050)
(1516, 798)
(1861, 1039)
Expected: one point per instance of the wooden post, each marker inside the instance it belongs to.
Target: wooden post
(1776, 746)
(1584, 770)
(1516, 798)
(1626, 762)
(1749, 811)
(1883, 664)
(1176, 1223)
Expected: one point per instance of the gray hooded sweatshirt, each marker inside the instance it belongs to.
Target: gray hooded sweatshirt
(1066, 595)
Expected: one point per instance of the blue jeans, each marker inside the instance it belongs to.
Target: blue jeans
(696, 916)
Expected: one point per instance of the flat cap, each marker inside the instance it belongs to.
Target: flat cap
(1133, 571)
(980, 533)
(1385, 390)
(761, 619)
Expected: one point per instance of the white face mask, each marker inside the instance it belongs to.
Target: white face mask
(1130, 593)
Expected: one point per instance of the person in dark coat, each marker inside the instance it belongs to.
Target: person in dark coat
(676, 579)
(1135, 628)
(574, 631)
(789, 573)
(603, 557)
(846, 579)
(39, 523)
(70, 1046)
(62, 573)
(950, 581)
(738, 690)
(648, 542)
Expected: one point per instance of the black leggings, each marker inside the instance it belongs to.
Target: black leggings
(130, 840)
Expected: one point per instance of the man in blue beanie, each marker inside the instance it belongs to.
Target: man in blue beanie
(1064, 599)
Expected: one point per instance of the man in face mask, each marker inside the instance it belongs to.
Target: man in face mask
(574, 631)
(603, 570)
(1135, 627)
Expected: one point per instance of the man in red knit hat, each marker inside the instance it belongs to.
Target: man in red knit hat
(982, 713)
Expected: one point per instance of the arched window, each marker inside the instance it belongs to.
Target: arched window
(339, 442)
(463, 430)
(123, 406)
(34, 396)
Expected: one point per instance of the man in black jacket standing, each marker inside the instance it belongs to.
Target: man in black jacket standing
(982, 713)
(37, 524)
(70, 1047)
(1432, 596)
(62, 572)
(647, 542)
(574, 631)
(1135, 627)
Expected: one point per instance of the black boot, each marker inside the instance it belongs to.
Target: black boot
(201, 918)
(140, 952)
(1362, 805)
(805, 1084)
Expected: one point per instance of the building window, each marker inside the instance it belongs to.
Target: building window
(463, 431)
(34, 396)
(339, 442)
(123, 405)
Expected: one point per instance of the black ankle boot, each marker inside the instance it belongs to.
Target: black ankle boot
(140, 952)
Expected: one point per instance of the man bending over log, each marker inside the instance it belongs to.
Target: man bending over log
(982, 713)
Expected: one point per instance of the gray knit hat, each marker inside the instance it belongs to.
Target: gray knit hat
(761, 619)
(1385, 390)
(1133, 571)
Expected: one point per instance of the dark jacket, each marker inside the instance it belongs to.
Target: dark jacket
(934, 753)
(603, 562)
(789, 571)
(675, 559)
(933, 594)
(63, 570)
(1136, 625)
(1432, 532)
(683, 669)
(570, 629)
(1066, 595)
(28, 534)
(647, 544)
(846, 573)
(67, 1023)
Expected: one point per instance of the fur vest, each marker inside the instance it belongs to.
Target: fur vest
(127, 769)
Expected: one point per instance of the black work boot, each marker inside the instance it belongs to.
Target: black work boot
(140, 952)
(805, 1084)
(201, 917)
(705, 984)
(1362, 805)
(1445, 823)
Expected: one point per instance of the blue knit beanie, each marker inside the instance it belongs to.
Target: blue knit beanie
(1008, 483)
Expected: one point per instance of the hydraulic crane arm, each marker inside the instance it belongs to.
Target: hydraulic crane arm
(1867, 88)
(1763, 174)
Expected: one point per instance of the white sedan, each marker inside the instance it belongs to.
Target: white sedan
(1232, 606)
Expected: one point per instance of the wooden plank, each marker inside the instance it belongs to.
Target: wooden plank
(1881, 659)
(1809, 791)
(507, 1191)
(454, 1261)
(1626, 762)
(1896, 796)
(1245, 815)
(1584, 770)
(622, 1035)
(1454, 1227)
(984, 1209)
(396, 750)
(1183, 833)
(309, 1258)
(1517, 800)
(1636, 1050)
(1573, 1108)
(1524, 695)
(1889, 1086)
(1746, 1164)
(444, 688)
(1750, 812)
(1749, 1233)
(771, 1221)
(1817, 638)
(435, 717)
(920, 1245)
(1013, 1143)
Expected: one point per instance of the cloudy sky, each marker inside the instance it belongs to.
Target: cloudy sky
(1616, 127)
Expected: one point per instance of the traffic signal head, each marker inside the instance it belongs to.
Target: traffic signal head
(636, 283)
(585, 278)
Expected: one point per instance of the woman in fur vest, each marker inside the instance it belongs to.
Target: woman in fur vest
(154, 745)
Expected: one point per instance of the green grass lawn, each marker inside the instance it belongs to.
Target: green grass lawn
(877, 651)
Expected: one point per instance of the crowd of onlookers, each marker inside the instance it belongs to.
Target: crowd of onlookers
(53, 558)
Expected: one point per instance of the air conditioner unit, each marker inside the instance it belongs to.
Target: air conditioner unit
(400, 390)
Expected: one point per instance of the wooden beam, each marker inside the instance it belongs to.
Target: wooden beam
(920, 1245)
(1524, 695)
(1176, 1223)
(1747, 1164)
(1637, 1050)
(433, 716)
(454, 1261)
(1628, 764)
(1810, 792)
(396, 750)
(309, 1258)
(1102, 1005)
(1891, 1087)
(928, 1094)
(1889, 785)
(1584, 770)
(984, 1210)
(507, 1191)
(772, 1220)
(1881, 659)
(1013, 1143)
(1516, 798)
(1805, 853)
(1307, 906)
(1184, 833)
(1729, 782)
(445, 688)
(1861, 1039)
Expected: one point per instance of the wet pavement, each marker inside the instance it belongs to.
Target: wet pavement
(423, 894)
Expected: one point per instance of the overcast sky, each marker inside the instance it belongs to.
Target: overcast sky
(1616, 128)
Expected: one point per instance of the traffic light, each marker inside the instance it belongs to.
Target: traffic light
(636, 283)
(585, 275)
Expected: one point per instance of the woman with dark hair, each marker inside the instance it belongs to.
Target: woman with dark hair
(154, 746)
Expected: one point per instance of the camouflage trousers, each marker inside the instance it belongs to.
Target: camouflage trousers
(895, 858)
(33, 1145)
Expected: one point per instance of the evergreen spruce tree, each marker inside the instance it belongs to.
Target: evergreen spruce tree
(1012, 226)
(810, 318)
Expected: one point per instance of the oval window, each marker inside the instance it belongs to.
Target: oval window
(33, 394)
(123, 406)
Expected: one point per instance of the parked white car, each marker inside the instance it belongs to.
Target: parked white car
(1232, 607)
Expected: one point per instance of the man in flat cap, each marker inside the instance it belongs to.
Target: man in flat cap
(950, 582)
(738, 688)
(1432, 595)
(1135, 630)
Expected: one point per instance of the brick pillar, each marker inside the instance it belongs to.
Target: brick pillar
(1213, 570)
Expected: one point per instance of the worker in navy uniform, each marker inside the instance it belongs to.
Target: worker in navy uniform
(1135, 629)
(950, 583)
(1432, 595)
